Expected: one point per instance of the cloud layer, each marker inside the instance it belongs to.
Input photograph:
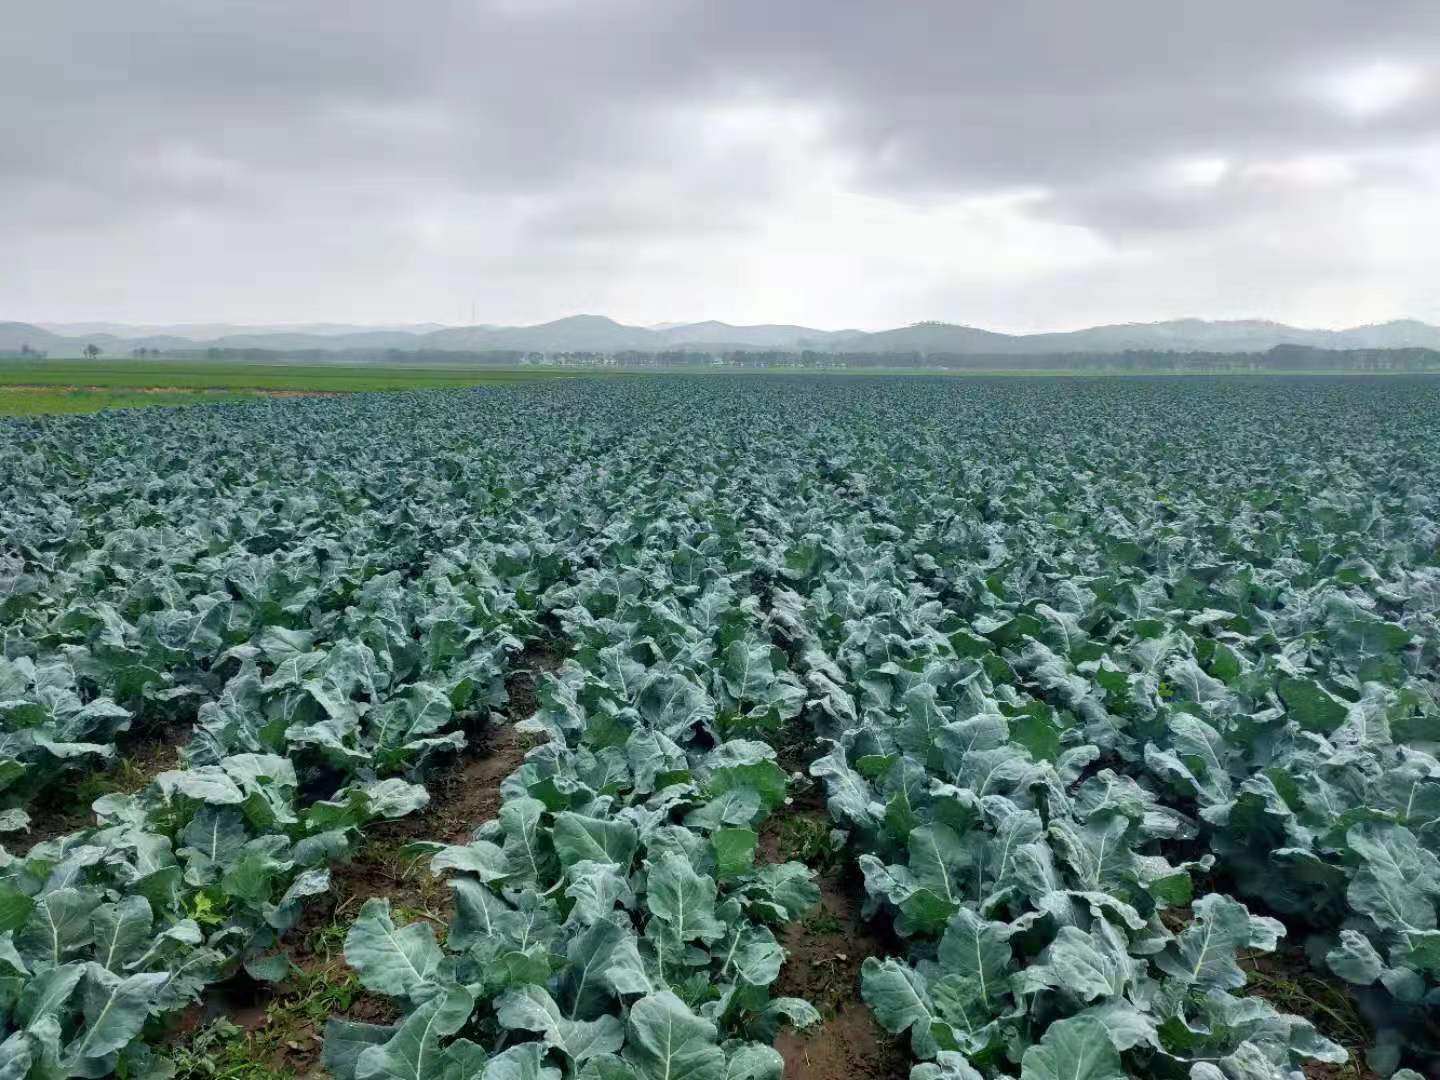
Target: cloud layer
(1020, 166)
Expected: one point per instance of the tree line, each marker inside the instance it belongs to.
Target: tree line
(1279, 358)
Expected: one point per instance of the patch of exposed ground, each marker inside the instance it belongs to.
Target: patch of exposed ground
(279, 1031)
(823, 956)
(1286, 979)
(465, 793)
(479, 778)
(463, 796)
(795, 749)
(51, 818)
(245, 1029)
(65, 806)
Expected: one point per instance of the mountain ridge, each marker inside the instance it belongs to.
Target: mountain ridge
(599, 333)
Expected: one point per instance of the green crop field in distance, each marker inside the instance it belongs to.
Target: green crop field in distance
(34, 388)
(51, 401)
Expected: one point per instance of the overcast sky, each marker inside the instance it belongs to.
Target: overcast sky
(1018, 165)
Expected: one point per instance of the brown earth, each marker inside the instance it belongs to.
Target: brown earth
(823, 956)
(1286, 979)
(49, 820)
(65, 807)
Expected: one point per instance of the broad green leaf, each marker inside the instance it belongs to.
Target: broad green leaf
(464, 1060)
(666, 1041)
(683, 900)
(479, 857)
(751, 953)
(948, 1065)
(1090, 965)
(527, 844)
(603, 965)
(1099, 852)
(524, 1062)
(122, 931)
(346, 1040)
(207, 784)
(939, 861)
(1313, 707)
(115, 1010)
(59, 926)
(1355, 959)
(213, 839)
(734, 852)
(46, 995)
(975, 956)
(596, 889)
(1075, 1049)
(15, 908)
(901, 1003)
(578, 837)
(790, 886)
(1398, 883)
(400, 962)
(530, 1008)
(765, 778)
(1203, 955)
(413, 1052)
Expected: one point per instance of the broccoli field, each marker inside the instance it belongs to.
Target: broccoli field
(720, 728)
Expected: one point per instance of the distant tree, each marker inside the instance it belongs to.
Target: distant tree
(91, 352)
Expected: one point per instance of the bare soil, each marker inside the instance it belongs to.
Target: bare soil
(823, 956)
(1286, 979)
(65, 807)
(49, 820)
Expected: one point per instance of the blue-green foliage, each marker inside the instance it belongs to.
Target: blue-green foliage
(1106, 677)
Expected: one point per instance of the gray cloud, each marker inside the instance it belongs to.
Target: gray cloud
(1020, 165)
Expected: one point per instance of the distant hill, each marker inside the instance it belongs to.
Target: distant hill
(1246, 335)
(1397, 334)
(935, 337)
(596, 333)
(14, 335)
(578, 333)
(365, 339)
